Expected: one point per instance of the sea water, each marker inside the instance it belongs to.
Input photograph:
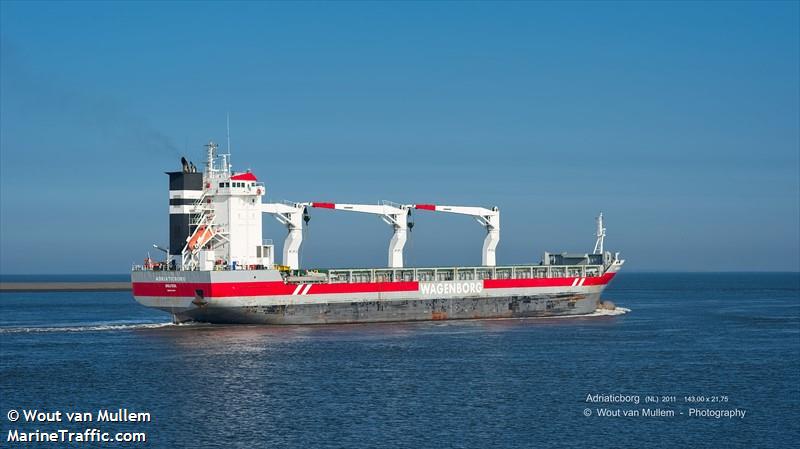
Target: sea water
(694, 345)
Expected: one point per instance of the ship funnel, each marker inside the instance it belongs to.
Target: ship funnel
(185, 188)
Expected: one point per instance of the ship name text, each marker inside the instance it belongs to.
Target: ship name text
(451, 288)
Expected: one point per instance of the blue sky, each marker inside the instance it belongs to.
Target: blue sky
(680, 121)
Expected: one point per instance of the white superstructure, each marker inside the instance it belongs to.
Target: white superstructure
(226, 219)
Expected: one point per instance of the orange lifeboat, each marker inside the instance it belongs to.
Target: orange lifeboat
(200, 237)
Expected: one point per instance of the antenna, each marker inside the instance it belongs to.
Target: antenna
(228, 127)
(601, 235)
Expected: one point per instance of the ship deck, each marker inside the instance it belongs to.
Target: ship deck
(428, 274)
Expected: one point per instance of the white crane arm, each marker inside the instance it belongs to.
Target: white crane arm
(463, 210)
(489, 218)
(281, 208)
(379, 209)
(395, 216)
(290, 215)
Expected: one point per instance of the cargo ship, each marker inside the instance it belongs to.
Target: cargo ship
(218, 268)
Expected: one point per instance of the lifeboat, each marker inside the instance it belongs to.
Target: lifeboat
(200, 237)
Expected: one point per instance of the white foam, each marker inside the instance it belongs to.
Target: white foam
(92, 328)
(606, 312)
(599, 312)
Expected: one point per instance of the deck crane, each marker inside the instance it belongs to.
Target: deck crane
(292, 216)
(395, 215)
(488, 218)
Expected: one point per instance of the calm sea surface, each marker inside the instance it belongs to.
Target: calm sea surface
(734, 338)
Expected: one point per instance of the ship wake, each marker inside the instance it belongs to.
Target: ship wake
(94, 327)
(599, 312)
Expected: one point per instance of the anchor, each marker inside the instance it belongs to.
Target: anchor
(199, 300)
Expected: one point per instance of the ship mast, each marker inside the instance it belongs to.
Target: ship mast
(211, 150)
(601, 235)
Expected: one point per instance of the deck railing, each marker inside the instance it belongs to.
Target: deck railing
(463, 273)
(355, 275)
